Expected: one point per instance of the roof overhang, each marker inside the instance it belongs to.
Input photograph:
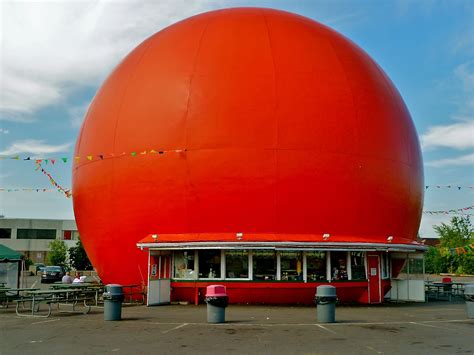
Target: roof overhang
(296, 246)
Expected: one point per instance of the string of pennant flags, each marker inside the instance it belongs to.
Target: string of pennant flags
(463, 211)
(458, 250)
(91, 157)
(66, 192)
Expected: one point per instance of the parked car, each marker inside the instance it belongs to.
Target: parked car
(52, 274)
(39, 267)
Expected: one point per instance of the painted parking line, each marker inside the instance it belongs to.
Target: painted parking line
(47, 321)
(326, 329)
(175, 328)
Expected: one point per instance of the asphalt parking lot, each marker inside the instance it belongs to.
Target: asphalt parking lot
(429, 328)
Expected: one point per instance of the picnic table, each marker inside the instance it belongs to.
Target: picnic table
(133, 290)
(8, 294)
(70, 297)
(439, 290)
(97, 289)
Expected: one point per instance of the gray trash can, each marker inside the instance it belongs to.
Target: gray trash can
(217, 300)
(325, 300)
(113, 298)
(469, 297)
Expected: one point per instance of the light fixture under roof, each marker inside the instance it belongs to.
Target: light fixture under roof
(239, 235)
(326, 236)
(390, 238)
(154, 236)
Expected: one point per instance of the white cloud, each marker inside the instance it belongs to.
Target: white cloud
(50, 48)
(467, 159)
(34, 146)
(77, 113)
(458, 136)
(4, 131)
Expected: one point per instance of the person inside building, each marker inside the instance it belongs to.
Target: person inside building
(67, 279)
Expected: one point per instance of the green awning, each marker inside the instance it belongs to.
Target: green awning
(7, 254)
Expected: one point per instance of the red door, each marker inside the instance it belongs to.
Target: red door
(373, 266)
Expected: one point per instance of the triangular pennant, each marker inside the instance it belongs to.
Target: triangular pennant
(101, 157)
(89, 157)
(133, 154)
(143, 153)
(64, 160)
(53, 161)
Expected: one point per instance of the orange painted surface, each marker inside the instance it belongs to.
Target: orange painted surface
(289, 129)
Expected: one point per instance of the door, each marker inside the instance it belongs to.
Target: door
(375, 285)
(159, 279)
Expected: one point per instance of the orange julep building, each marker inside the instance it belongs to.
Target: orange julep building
(252, 148)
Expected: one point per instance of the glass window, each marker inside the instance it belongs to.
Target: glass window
(316, 265)
(184, 265)
(358, 265)
(291, 265)
(338, 265)
(5, 233)
(264, 265)
(209, 264)
(237, 264)
(36, 234)
(385, 266)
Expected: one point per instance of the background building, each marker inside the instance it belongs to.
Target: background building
(32, 236)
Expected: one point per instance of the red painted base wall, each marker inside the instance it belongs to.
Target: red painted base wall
(272, 292)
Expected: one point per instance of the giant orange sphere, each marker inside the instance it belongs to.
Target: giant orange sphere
(244, 120)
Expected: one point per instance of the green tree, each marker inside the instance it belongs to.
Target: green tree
(458, 233)
(57, 253)
(78, 257)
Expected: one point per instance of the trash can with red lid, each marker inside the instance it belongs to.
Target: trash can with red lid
(217, 300)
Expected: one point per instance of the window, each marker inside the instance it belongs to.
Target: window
(385, 266)
(184, 265)
(264, 265)
(316, 265)
(5, 233)
(291, 263)
(36, 234)
(209, 264)
(67, 235)
(237, 264)
(338, 265)
(358, 265)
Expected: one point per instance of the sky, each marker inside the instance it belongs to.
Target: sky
(56, 54)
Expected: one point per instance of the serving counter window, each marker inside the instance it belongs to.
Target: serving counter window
(291, 263)
(184, 265)
(264, 265)
(237, 264)
(209, 264)
(339, 265)
(358, 265)
(316, 265)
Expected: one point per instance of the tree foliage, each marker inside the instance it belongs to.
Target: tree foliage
(458, 233)
(57, 253)
(78, 257)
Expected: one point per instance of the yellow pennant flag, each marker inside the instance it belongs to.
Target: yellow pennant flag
(89, 157)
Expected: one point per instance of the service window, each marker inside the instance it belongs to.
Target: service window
(385, 262)
(237, 264)
(291, 263)
(339, 265)
(264, 265)
(316, 265)
(209, 264)
(358, 265)
(184, 265)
